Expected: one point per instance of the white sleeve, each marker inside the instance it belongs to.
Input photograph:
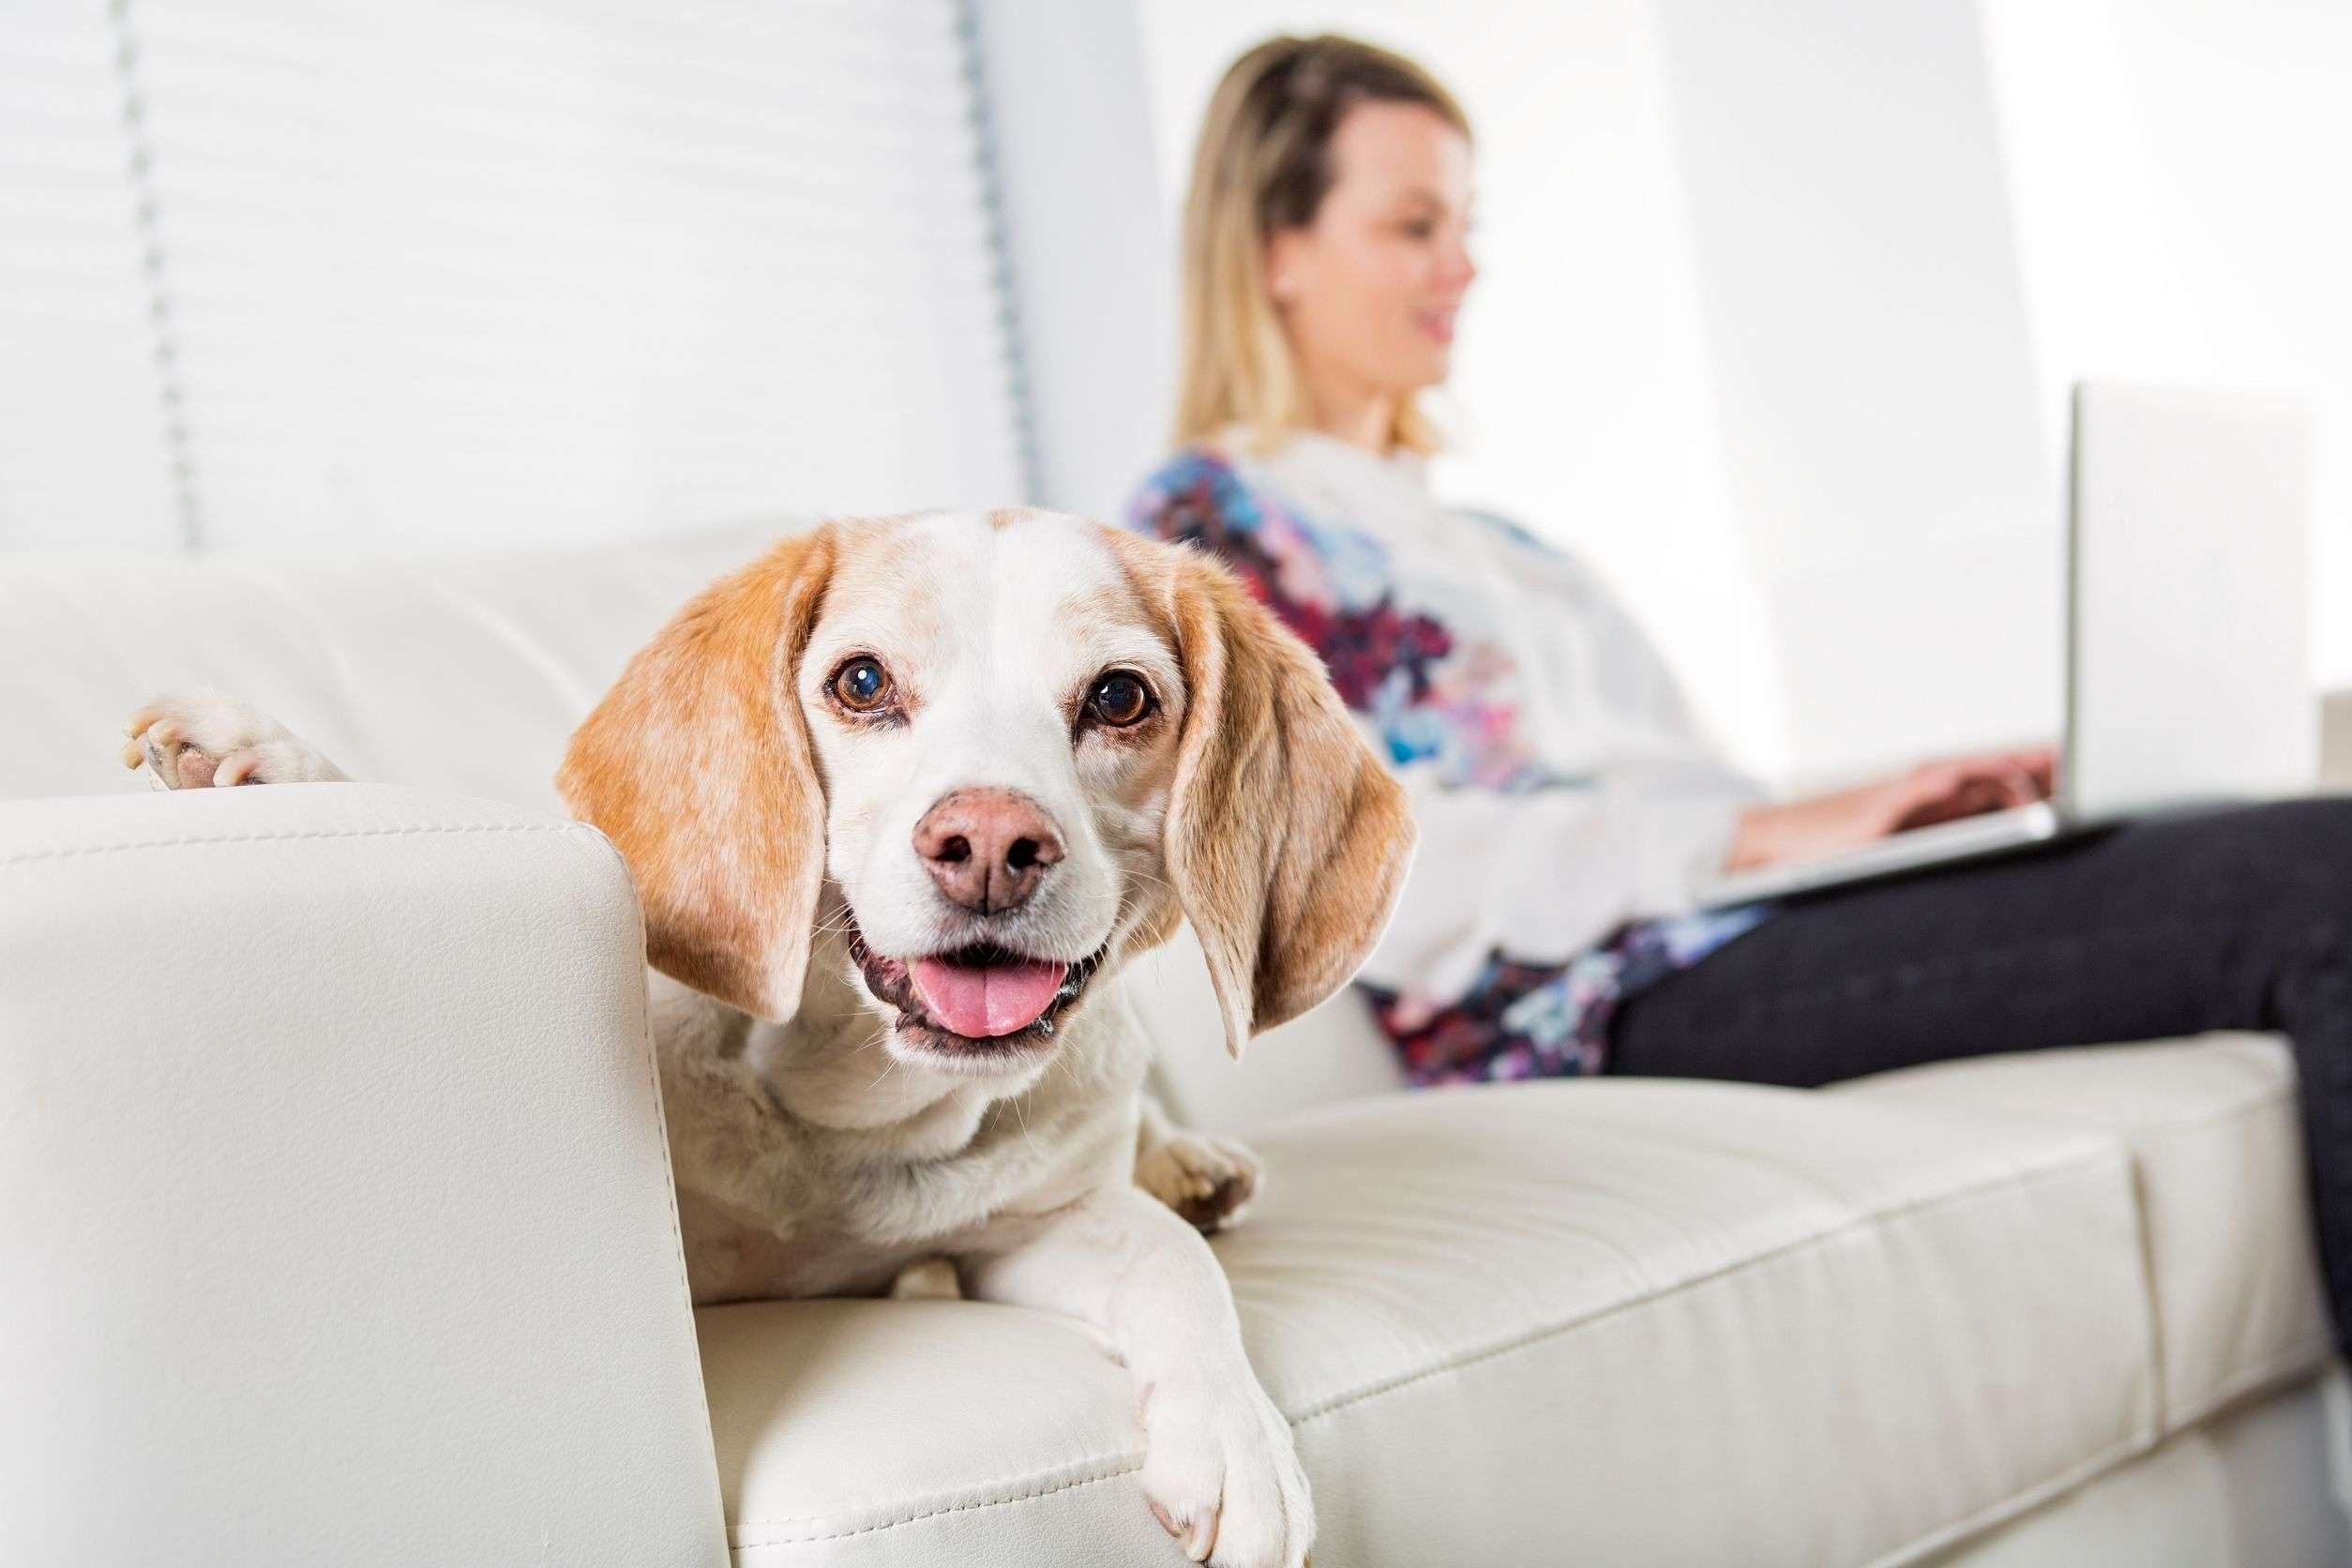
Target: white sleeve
(1543, 874)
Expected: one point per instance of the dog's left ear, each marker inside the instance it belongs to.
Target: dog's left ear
(1285, 838)
(698, 766)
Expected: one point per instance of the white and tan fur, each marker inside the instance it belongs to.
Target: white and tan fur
(820, 1149)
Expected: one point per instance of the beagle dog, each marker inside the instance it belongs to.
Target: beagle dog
(901, 798)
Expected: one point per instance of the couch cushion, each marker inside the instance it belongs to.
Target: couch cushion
(2213, 1130)
(1573, 1321)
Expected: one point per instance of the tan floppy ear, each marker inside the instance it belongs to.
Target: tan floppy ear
(1285, 838)
(696, 765)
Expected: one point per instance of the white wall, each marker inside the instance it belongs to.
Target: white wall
(1780, 305)
(2178, 169)
(1873, 380)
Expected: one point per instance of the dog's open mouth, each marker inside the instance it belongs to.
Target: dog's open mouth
(976, 999)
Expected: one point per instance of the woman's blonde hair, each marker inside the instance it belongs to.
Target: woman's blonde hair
(1263, 164)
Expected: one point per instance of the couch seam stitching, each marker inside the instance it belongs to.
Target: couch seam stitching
(2023, 1500)
(2305, 1357)
(2113, 1154)
(31, 855)
(1033, 1493)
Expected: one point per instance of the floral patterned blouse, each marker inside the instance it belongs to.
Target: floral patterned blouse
(1563, 794)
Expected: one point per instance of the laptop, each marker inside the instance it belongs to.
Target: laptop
(2187, 632)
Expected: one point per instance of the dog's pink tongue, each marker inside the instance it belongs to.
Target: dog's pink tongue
(986, 1001)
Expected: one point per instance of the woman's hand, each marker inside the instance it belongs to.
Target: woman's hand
(1931, 793)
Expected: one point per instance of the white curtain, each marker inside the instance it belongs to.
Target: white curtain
(332, 275)
(84, 456)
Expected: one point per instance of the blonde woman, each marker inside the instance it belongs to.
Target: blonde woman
(1565, 799)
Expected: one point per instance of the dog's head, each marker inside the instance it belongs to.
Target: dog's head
(981, 758)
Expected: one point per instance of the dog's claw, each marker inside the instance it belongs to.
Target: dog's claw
(1197, 1539)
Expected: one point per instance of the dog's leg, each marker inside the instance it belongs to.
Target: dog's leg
(197, 740)
(1208, 1180)
(1219, 1467)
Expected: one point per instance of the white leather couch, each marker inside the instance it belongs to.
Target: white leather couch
(337, 1225)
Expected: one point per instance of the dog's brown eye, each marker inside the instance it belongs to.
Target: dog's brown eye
(862, 685)
(1118, 700)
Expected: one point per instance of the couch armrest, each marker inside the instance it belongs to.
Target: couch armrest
(335, 1213)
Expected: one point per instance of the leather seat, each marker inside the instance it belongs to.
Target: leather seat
(1680, 1320)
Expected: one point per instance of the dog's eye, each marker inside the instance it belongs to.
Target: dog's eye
(1118, 700)
(862, 685)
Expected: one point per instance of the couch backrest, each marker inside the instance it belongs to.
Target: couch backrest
(458, 675)
(468, 675)
(1333, 1053)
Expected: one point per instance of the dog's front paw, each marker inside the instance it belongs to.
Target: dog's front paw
(1223, 1476)
(1207, 1179)
(202, 740)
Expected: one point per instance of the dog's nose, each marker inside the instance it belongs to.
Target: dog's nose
(988, 849)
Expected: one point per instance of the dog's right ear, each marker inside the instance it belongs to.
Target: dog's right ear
(698, 766)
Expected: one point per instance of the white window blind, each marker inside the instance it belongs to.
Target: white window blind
(455, 274)
(83, 458)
